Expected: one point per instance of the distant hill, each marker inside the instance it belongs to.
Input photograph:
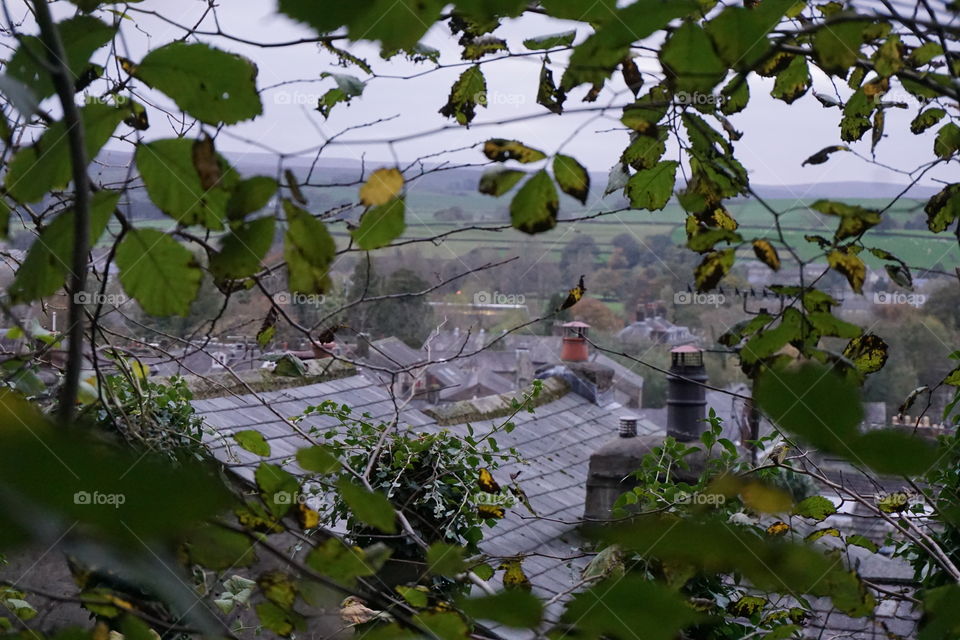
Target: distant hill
(457, 180)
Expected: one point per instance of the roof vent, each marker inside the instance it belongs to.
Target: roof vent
(628, 427)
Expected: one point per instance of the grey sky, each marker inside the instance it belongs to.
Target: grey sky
(777, 137)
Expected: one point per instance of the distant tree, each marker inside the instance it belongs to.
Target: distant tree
(598, 315)
(579, 256)
(944, 305)
(408, 318)
(629, 248)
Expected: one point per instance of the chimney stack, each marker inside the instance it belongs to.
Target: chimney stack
(686, 396)
(574, 347)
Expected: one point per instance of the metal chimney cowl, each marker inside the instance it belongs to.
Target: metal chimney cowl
(686, 395)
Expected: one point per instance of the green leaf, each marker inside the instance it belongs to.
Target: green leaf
(512, 608)
(925, 53)
(309, 250)
(593, 60)
(318, 458)
(948, 141)
(467, 92)
(829, 325)
(497, 182)
(713, 267)
(926, 119)
(500, 150)
(858, 540)
(275, 618)
(651, 188)
(416, 597)
(370, 507)
(854, 219)
(563, 39)
(250, 195)
(690, 62)
(837, 45)
(243, 250)
(572, 177)
(397, 24)
(174, 185)
(534, 207)
(46, 165)
(736, 95)
(81, 37)
(643, 115)
(639, 603)
(211, 85)
(766, 343)
(867, 352)
(348, 87)
(645, 151)
(816, 508)
(89, 482)
(819, 533)
(740, 34)
(548, 93)
(160, 273)
(279, 489)
(48, 261)
(290, 366)
(813, 402)
(381, 225)
(889, 451)
(793, 81)
(219, 549)
(443, 625)
(943, 208)
(476, 48)
(340, 562)
(445, 559)
(253, 441)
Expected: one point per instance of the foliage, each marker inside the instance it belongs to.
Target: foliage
(807, 365)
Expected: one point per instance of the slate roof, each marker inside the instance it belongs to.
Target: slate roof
(555, 442)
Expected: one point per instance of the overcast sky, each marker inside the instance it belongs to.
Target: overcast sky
(777, 137)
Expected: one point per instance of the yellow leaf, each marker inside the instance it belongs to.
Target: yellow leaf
(307, 517)
(851, 266)
(487, 483)
(778, 528)
(490, 511)
(766, 254)
(513, 575)
(382, 187)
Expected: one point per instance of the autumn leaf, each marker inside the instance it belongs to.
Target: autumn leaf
(382, 187)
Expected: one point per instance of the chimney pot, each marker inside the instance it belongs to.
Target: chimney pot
(628, 427)
(686, 397)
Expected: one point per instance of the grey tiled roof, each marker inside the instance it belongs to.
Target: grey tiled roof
(555, 443)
